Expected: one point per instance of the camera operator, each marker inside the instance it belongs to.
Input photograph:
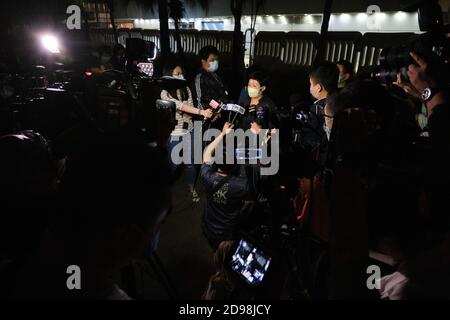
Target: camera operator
(425, 275)
(185, 110)
(367, 191)
(113, 199)
(29, 177)
(226, 191)
(410, 94)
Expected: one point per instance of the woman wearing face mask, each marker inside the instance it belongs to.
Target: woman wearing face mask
(184, 126)
(253, 98)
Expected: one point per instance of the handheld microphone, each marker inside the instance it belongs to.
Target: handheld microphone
(216, 107)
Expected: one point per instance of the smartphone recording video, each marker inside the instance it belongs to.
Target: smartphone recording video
(250, 263)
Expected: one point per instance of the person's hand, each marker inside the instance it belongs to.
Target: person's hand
(207, 113)
(227, 127)
(392, 287)
(419, 74)
(216, 117)
(407, 87)
(268, 136)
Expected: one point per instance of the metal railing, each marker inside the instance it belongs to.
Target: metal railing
(289, 48)
(300, 48)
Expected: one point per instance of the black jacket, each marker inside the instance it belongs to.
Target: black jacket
(209, 86)
(313, 133)
(265, 111)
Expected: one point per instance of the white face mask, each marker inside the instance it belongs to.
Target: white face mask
(213, 66)
(253, 92)
(312, 93)
(180, 76)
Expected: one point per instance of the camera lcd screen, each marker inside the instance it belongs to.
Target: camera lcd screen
(250, 263)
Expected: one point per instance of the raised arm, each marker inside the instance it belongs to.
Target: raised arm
(208, 154)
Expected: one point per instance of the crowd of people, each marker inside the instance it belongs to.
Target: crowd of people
(366, 170)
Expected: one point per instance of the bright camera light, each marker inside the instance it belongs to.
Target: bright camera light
(50, 43)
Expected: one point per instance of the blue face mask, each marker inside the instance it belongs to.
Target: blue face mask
(213, 66)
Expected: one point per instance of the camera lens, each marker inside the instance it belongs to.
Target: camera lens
(395, 58)
(385, 76)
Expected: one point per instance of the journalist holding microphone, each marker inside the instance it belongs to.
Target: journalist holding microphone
(184, 125)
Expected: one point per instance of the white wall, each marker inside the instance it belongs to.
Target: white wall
(361, 22)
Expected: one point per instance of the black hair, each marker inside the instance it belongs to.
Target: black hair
(205, 52)
(259, 76)
(169, 67)
(228, 168)
(25, 156)
(27, 170)
(327, 75)
(348, 66)
(167, 71)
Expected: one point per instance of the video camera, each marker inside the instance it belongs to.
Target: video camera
(433, 45)
(139, 106)
(140, 55)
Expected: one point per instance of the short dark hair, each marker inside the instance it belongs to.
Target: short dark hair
(205, 52)
(348, 66)
(228, 168)
(259, 76)
(327, 75)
